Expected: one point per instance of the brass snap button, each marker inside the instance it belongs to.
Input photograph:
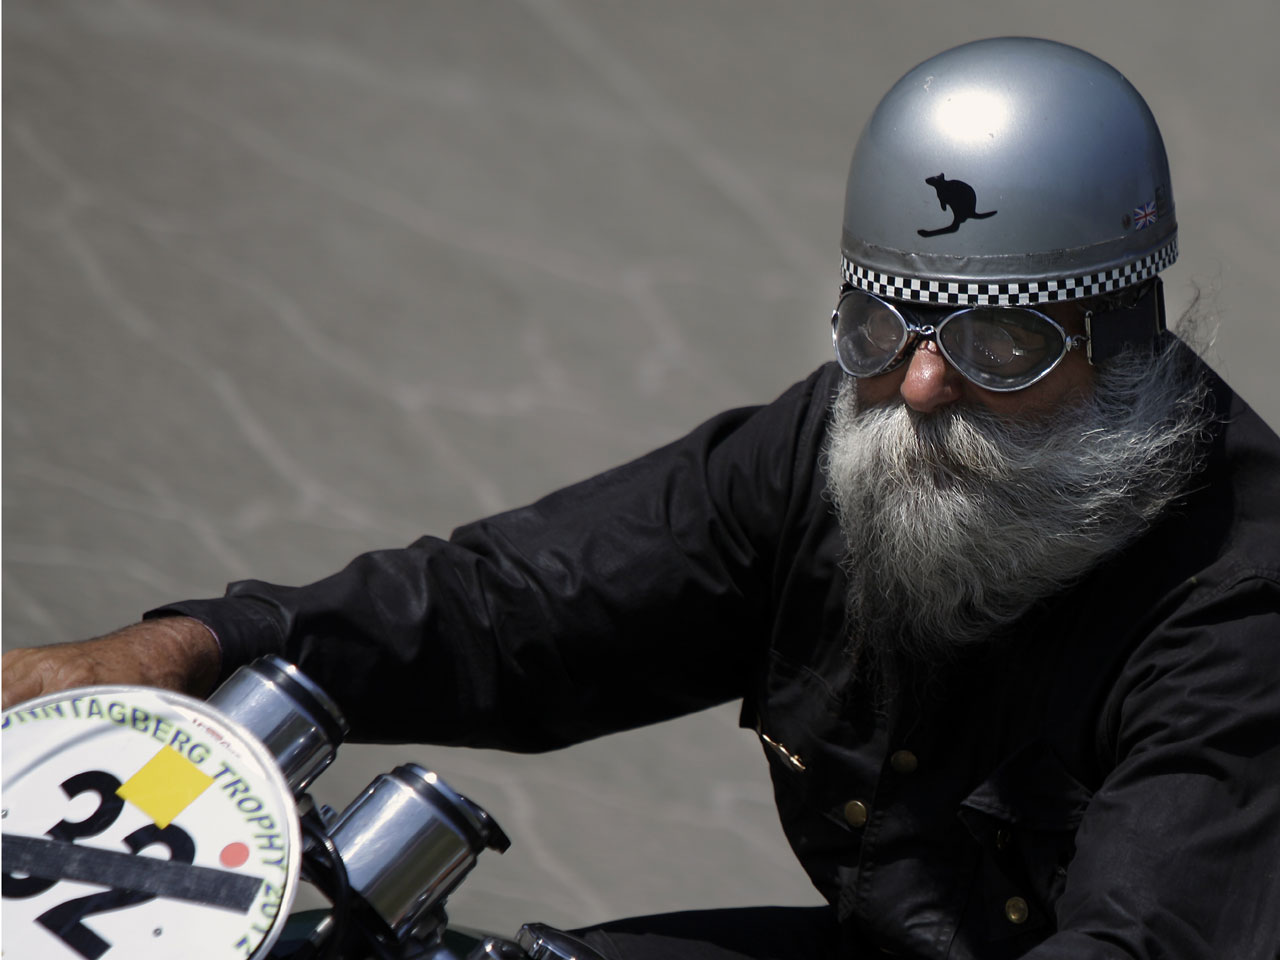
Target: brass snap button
(1016, 910)
(855, 813)
(904, 761)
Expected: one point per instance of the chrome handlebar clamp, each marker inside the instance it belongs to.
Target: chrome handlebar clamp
(407, 841)
(295, 720)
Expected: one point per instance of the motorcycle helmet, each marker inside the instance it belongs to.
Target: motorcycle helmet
(1010, 171)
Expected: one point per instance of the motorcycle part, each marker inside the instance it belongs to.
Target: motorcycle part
(145, 823)
(407, 841)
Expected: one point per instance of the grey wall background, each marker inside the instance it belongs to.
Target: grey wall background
(288, 281)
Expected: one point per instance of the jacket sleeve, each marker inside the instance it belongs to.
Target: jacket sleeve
(634, 596)
(1178, 854)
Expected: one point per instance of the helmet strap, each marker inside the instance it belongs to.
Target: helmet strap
(1139, 324)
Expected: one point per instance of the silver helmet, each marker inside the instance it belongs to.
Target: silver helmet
(1008, 171)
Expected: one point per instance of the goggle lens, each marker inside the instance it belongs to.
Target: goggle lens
(868, 334)
(1001, 348)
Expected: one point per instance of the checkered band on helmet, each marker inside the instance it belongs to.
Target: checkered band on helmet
(967, 293)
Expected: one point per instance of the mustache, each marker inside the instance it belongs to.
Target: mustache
(959, 444)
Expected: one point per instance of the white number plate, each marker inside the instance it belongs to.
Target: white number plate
(139, 823)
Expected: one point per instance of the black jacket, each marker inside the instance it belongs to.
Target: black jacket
(1105, 783)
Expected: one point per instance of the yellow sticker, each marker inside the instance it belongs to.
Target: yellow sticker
(166, 785)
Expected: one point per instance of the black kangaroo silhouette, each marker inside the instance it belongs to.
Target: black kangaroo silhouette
(959, 196)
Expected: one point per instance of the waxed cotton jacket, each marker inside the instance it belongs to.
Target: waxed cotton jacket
(1101, 781)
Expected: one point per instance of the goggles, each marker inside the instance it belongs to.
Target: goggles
(998, 348)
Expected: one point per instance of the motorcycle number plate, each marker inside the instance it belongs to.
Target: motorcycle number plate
(139, 823)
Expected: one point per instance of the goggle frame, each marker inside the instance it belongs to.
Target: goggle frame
(915, 332)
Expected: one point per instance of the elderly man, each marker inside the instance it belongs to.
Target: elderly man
(1000, 592)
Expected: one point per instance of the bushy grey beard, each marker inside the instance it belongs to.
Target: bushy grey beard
(958, 521)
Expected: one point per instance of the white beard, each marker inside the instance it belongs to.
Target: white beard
(957, 522)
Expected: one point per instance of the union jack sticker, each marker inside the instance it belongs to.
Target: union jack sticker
(1144, 216)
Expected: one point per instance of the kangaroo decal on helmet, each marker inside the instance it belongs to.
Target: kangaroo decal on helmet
(959, 196)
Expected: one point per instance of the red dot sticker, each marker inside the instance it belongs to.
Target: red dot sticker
(234, 855)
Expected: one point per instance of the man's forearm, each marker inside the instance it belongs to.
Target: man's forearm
(177, 653)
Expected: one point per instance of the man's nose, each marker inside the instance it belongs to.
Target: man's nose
(930, 382)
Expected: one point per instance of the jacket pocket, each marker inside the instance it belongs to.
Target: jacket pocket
(812, 752)
(1024, 818)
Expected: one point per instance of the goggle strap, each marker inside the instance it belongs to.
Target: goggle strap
(1141, 325)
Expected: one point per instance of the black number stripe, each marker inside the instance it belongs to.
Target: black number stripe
(54, 859)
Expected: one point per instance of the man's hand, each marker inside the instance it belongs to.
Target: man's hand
(176, 653)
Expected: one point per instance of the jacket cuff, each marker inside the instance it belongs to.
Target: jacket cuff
(244, 629)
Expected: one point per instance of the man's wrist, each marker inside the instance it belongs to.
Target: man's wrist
(187, 653)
